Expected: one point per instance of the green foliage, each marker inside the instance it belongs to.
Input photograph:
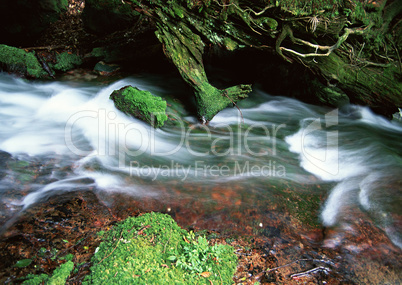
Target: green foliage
(198, 256)
(66, 61)
(140, 104)
(152, 249)
(23, 262)
(17, 60)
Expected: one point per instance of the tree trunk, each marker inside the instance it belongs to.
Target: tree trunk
(348, 45)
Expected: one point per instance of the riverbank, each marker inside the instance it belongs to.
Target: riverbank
(280, 252)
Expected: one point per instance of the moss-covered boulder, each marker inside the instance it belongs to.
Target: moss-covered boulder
(153, 249)
(66, 61)
(21, 62)
(140, 104)
(106, 16)
(21, 22)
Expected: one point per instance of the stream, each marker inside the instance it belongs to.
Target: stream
(275, 154)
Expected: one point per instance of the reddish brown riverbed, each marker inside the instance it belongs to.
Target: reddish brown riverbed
(273, 249)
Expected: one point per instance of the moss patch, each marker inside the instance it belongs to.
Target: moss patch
(140, 104)
(58, 277)
(66, 61)
(153, 249)
(17, 60)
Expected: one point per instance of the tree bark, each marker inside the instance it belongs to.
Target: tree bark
(348, 46)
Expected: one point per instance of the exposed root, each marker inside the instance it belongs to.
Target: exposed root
(261, 12)
(329, 49)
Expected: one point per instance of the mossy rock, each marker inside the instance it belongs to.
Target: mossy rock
(153, 249)
(103, 68)
(66, 61)
(19, 61)
(140, 104)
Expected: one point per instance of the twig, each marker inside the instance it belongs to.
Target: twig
(298, 260)
(121, 234)
(48, 47)
(234, 103)
(311, 271)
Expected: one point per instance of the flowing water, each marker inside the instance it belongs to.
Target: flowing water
(64, 136)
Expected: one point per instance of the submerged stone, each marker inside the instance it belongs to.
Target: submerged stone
(105, 69)
(140, 104)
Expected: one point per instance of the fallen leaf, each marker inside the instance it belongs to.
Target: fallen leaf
(23, 263)
(206, 274)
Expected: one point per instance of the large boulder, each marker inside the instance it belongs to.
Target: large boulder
(140, 104)
(22, 21)
(21, 62)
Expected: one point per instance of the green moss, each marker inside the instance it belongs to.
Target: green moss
(58, 277)
(230, 44)
(23, 170)
(33, 279)
(153, 249)
(299, 7)
(140, 104)
(106, 54)
(17, 60)
(267, 22)
(66, 61)
(61, 274)
(304, 206)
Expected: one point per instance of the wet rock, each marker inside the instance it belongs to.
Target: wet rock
(21, 62)
(141, 104)
(4, 157)
(66, 61)
(329, 95)
(105, 69)
(21, 22)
